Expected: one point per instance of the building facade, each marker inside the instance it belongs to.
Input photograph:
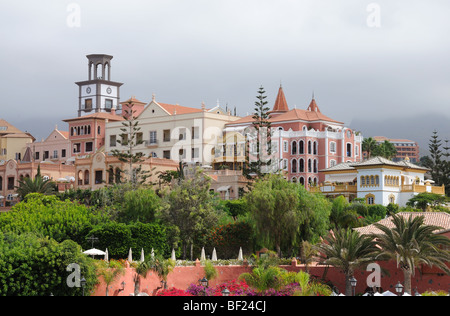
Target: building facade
(377, 181)
(302, 142)
(13, 142)
(55, 148)
(406, 149)
(172, 132)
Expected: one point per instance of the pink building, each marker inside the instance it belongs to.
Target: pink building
(87, 133)
(306, 141)
(55, 148)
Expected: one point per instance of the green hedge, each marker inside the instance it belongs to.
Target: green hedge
(118, 238)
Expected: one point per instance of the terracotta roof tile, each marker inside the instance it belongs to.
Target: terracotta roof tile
(280, 102)
(440, 219)
(178, 108)
(98, 115)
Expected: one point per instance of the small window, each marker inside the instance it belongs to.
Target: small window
(11, 183)
(166, 154)
(108, 104)
(153, 137)
(63, 153)
(112, 141)
(195, 153)
(166, 135)
(333, 147)
(89, 147)
(98, 177)
(88, 104)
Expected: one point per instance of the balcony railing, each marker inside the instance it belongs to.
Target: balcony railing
(417, 188)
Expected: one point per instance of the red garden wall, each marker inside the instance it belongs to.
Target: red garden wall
(425, 279)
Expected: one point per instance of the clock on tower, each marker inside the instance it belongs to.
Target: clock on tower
(98, 93)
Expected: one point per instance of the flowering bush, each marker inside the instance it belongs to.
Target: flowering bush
(173, 292)
(236, 288)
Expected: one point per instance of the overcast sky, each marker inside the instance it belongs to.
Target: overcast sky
(383, 74)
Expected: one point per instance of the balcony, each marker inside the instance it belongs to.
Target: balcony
(417, 188)
(151, 143)
(335, 188)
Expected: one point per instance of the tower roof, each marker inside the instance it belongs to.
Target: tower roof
(313, 106)
(280, 103)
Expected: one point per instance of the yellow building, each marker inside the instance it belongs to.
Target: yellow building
(13, 142)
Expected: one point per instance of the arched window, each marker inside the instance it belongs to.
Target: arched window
(302, 181)
(294, 148)
(315, 148)
(315, 166)
(294, 166)
(309, 147)
(86, 177)
(309, 165)
(370, 199)
(363, 181)
(111, 175)
(301, 147)
(294, 180)
(349, 150)
(301, 163)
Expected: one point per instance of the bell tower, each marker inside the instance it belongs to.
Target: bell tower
(98, 93)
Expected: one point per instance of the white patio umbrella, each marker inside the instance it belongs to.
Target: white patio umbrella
(388, 293)
(203, 256)
(214, 255)
(240, 256)
(142, 255)
(130, 256)
(94, 252)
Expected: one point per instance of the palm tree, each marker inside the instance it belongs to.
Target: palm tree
(347, 250)
(37, 185)
(411, 243)
(369, 145)
(162, 268)
(141, 269)
(110, 271)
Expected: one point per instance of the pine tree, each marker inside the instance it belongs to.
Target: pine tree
(129, 139)
(260, 136)
(438, 161)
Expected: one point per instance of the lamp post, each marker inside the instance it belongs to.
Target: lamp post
(353, 282)
(225, 292)
(83, 283)
(204, 282)
(399, 288)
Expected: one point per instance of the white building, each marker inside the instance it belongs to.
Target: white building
(378, 181)
(172, 131)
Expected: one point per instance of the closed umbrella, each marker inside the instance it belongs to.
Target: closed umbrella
(214, 255)
(203, 256)
(240, 256)
(130, 256)
(153, 253)
(173, 255)
(142, 255)
(106, 255)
